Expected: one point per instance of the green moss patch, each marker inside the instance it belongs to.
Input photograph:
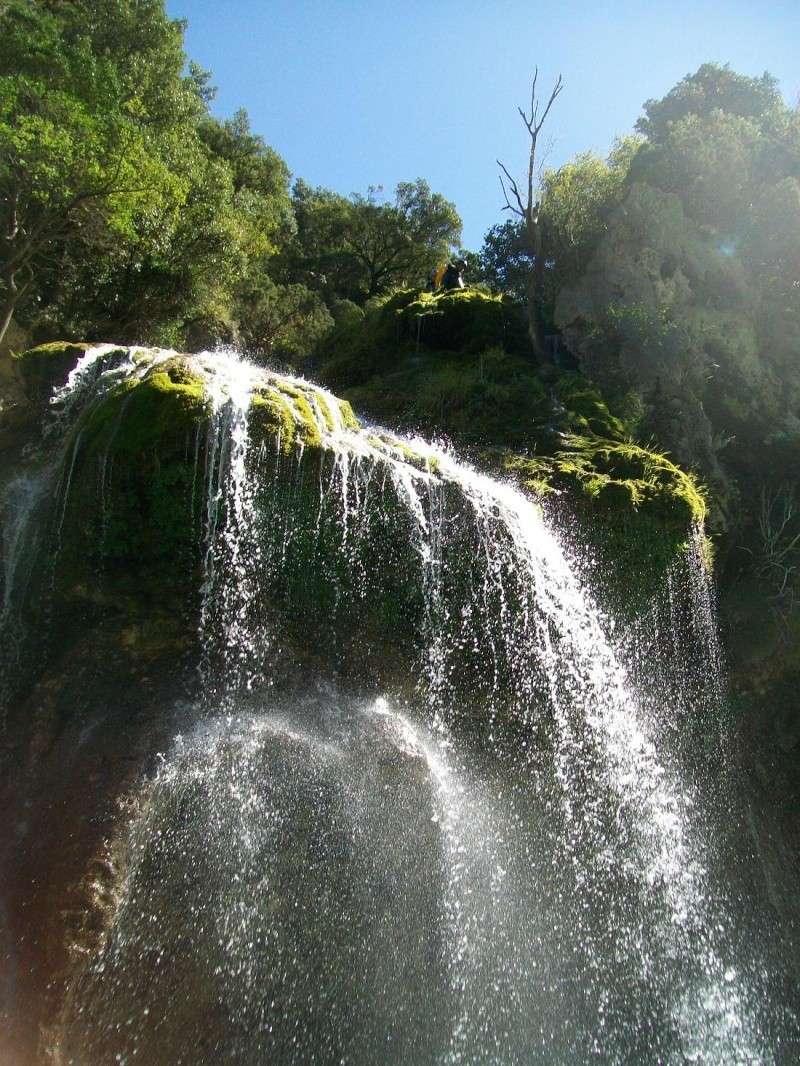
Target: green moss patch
(271, 415)
(464, 320)
(635, 507)
(460, 323)
(349, 419)
(612, 475)
(459, 363)
(132, 506)
(149, 413)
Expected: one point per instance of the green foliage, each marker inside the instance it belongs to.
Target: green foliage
(576, 202)
(96, 125)
(504, 260)
(131, 212)
(578, 199)
(282, 322)
(711, 163)
(690, 300)
(364, 246)
(260, 181)
(713, 88)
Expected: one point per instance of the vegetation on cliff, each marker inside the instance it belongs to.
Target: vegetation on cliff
(457, 364)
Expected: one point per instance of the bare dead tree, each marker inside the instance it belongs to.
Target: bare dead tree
(528, 208)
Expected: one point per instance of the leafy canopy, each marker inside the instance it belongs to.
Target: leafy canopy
(96, 119)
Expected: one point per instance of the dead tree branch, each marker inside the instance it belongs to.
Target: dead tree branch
(528, 210)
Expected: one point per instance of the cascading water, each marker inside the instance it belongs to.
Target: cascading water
(319, 876)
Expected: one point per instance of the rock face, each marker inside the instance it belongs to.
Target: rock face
(138, 444)
(135, 480)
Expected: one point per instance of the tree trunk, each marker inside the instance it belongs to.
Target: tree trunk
(535, 328)
(535, 291)
(7, 312)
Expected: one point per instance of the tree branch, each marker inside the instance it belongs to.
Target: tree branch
(519, 209)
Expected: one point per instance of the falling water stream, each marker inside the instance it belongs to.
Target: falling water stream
(349, 877)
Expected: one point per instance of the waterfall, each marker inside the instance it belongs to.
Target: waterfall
(317, 873)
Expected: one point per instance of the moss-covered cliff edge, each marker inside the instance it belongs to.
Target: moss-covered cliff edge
(458, 364)
(132, 501)
(139, 446)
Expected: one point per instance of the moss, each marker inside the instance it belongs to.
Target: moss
(271, 415)
(459, 363)
(54, 349)
(133, 507)
(326, 413)
(635, 507)
(585, 408)
(612, 475)
(464, 320)
(148, 413)
(411, 322)
(654, 483)
(349, 419)
(532, 472)
(307, 430)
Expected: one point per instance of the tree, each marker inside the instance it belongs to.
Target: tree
(362, 246)
(401, 243)
(529, 210)
(260, 181)
(281, 321)
(711, 162)
(96, 125)
(713, 88)
(579, 199)
(690, 297)
(505, 261)
(175, 264)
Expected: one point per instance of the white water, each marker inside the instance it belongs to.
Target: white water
(609, 944)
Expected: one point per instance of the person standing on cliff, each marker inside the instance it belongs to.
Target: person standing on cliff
(453, 277)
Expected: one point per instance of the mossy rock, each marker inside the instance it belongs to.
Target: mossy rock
(614, 475)
(131, 509)
(47, 365)
(409, 322)
(464, 320)
(291, 413)
(585, 410)
(636, 509)
(271, 417)
(149, 413)
(459, 363)
(349, 419)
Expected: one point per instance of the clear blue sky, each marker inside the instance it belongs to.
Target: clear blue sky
(353, 94)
